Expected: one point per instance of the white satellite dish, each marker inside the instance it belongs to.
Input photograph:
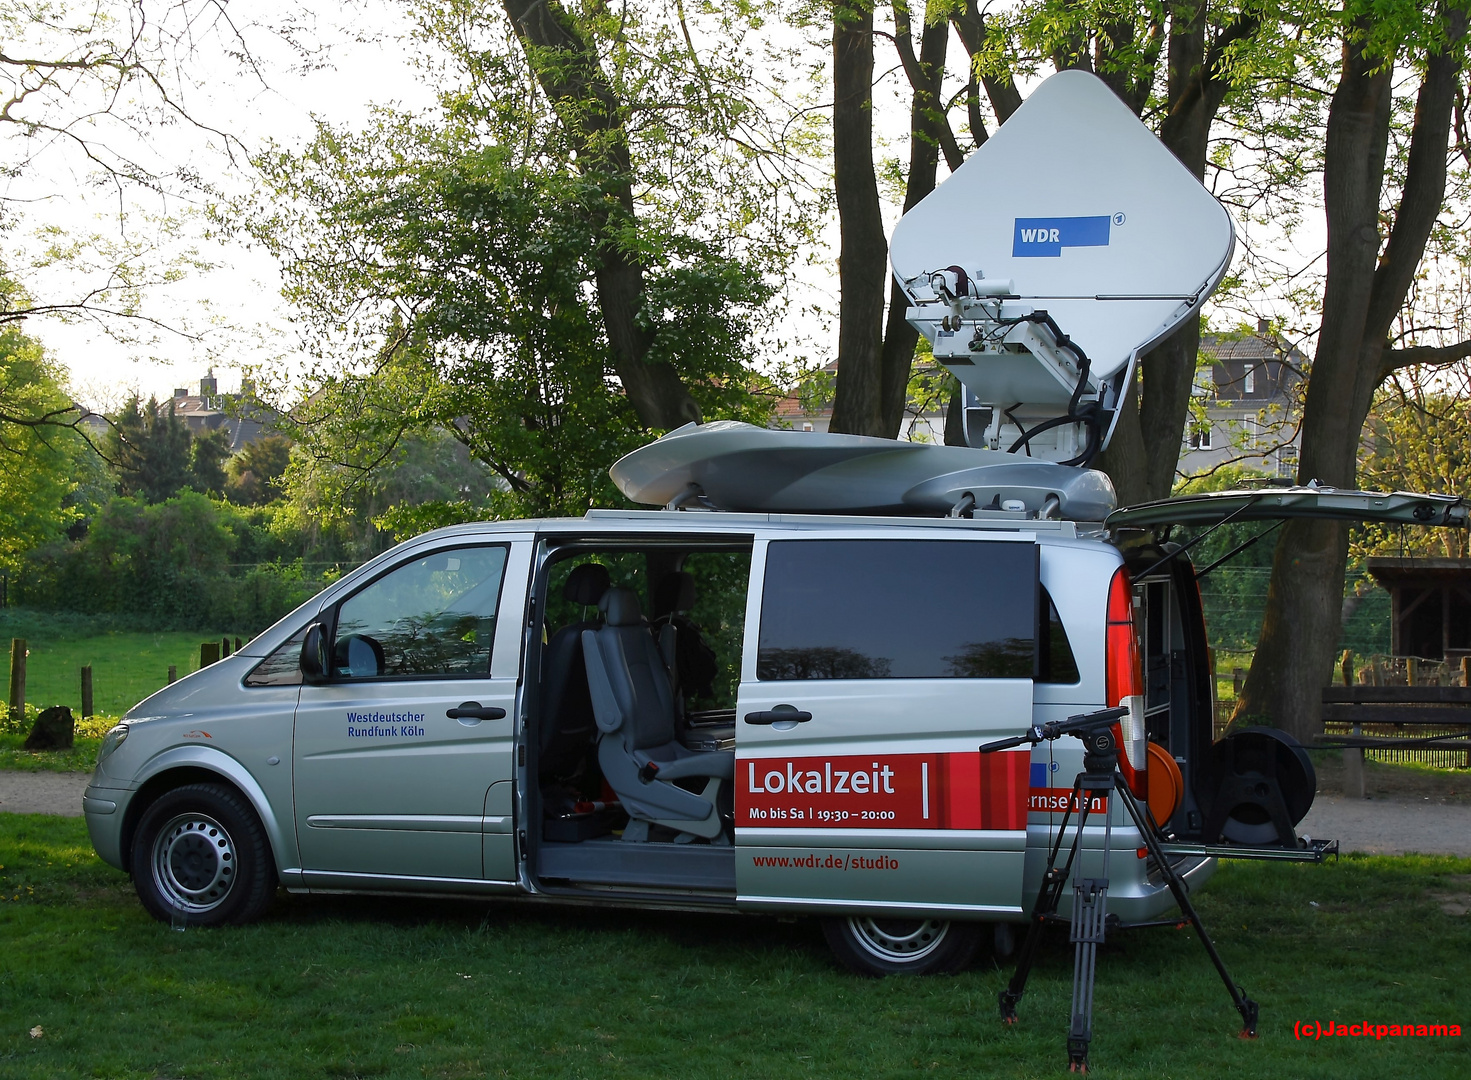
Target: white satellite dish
(1076, 209)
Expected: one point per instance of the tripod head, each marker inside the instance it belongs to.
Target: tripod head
(1094, 729)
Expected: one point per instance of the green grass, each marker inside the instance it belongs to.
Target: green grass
(127, 664)
(355, 987)
(80, 758)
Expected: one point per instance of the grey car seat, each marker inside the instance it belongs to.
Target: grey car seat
(568, 730)
(694, 664)
(638, 750)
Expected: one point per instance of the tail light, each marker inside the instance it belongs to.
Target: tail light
(1124, 682)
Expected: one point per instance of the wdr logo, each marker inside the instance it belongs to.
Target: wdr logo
(1046, 237)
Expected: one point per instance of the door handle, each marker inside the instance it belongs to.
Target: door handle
(473, 710)
(781, 714)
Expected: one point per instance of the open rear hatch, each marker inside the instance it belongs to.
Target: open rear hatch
(1244, 794)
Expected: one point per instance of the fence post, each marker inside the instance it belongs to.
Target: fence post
(1236, 682)
(86, 690)
(237, 644)
(17, 699)
(173, 673)
(1412, 669)
(1348, 667)
(209, 653)
(224, 647)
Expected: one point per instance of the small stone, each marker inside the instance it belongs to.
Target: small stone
(54, 730)
(36, 1032)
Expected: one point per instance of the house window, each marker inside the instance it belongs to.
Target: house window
(1200, 437)
(1287, 462)
(1248, 384)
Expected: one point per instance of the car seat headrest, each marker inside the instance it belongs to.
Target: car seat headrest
(586, 584)
(674, 592)
(620, 608)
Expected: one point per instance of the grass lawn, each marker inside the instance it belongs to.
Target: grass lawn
(82, 757)
(127, 664)
(355, 987)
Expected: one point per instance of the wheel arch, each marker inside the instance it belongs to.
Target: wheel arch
(202, 765)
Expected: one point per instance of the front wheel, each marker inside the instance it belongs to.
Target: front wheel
(200, 858)
(882, 946)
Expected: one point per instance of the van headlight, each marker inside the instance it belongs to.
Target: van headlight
(111, 741)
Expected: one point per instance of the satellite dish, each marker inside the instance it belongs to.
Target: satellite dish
(1070, 242)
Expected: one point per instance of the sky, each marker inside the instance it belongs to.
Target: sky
(359, 59)
(234, 308)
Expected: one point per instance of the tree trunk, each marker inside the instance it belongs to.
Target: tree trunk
(857, 402)
(928, 132)
(566, 66)
(1362, 295)
(1145, 451)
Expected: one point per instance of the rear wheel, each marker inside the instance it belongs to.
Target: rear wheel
(883, 946)
(200, 858)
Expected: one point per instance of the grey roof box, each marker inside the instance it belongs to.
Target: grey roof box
(728, 465)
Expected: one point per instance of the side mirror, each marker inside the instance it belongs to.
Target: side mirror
(314, 667)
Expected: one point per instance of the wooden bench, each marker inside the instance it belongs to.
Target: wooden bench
(1398, 706)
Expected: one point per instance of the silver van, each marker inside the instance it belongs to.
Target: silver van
(697, 710)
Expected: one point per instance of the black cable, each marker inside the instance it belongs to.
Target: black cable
(1090, 417)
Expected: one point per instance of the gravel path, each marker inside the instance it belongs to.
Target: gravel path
(1381, 826)
(1391, 826)
(42, 792)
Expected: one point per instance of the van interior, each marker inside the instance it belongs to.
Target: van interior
(633, 729)
(1178, 701)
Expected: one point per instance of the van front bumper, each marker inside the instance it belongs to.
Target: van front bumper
(104, 808)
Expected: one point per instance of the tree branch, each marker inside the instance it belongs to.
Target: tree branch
(1422, 356)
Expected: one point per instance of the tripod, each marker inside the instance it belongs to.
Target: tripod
(1099, 779)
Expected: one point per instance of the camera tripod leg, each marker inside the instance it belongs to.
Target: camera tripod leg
(1244, 1005)
(1090, 911)
(1054, 879)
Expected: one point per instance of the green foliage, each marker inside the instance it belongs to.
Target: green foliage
(38, 464)
(255, 473)
(150, 450)
(457, 254)
(170, 564)
(207, 455)
(1418, 439)
(358, 499)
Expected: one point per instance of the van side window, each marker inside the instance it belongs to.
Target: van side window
(282, 667)
(1055, 660)
(432, 616)
(898, 609)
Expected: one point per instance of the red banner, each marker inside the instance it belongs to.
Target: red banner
(885, 791)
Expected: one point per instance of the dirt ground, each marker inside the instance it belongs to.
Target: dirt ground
(42, 792)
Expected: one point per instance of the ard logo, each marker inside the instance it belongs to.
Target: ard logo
(1046, 237)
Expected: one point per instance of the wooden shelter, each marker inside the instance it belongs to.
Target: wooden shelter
(1430, 605)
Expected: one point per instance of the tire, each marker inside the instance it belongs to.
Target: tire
(881, 946)
(200, 858)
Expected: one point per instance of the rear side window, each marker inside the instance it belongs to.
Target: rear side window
(1055, 660)
(898, 609)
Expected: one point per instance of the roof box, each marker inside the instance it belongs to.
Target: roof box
(729, 465)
